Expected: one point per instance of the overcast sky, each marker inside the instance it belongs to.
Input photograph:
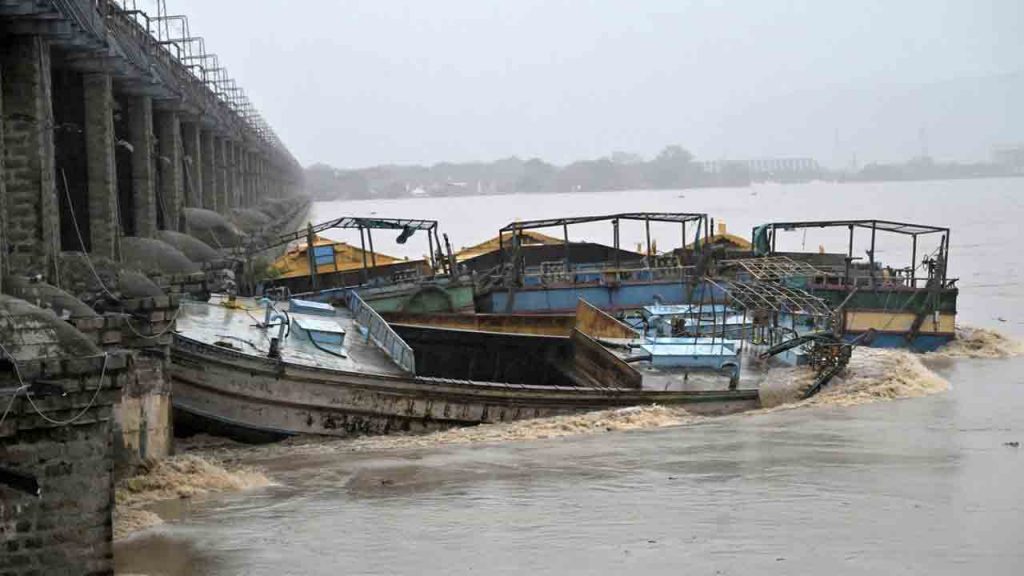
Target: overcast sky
(358, 83)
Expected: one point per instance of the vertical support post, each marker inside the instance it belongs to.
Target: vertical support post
(913, 263)
(849, 257)
(99, 152)
(615, 243)
(235, 178)
(568, 261)
(647, 225)
(871, 254)
(171, 181)
(143, 175)
(3, 190)
(682, 247)
(362, 246)
(30, 234)
(501, 249)
(207, 196)
(373, 255)
(193, 164)
(430, 257)
(221, 175)
(311, 254)
(945, 257)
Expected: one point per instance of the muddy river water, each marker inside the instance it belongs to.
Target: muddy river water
(932, 484)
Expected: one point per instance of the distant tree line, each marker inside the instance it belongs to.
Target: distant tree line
(673, 168)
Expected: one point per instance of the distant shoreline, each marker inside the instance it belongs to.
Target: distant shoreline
(839, 181)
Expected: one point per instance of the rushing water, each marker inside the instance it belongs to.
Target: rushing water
(929, 485)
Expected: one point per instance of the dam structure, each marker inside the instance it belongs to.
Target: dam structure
(131, 164)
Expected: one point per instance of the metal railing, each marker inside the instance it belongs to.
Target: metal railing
(381, 332)
(601, 273)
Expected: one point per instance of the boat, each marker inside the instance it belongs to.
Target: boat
(313, 263)
(527, 276)
(260, 370)
(879, 305)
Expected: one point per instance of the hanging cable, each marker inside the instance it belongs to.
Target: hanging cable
(23, 386)
(10, 404)
(81, 241)
(168, 328)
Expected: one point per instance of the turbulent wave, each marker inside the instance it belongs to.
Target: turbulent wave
(980, 343)
(872, 375)
(633, 418)
(181, 476)
(128, 521)
(877, 374)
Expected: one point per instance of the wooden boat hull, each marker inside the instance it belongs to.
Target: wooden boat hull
(257, 398)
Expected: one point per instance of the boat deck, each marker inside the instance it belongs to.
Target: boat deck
(215, 323)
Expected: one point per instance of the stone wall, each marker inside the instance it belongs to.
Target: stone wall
(31, 228)
(57, 393)
(143, 427)
(56, 480)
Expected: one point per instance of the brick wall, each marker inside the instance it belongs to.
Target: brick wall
(31, 229)
(3, 189)
(143, 171)
(170, 162)
(192, 164)
(143, 427)
(66, 527)
(209, 187)
(99, 148)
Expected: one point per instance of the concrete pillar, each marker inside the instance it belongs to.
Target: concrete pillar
(219, 146)
(239, 179)
(3, 189)
(193, 164)
(31, 230)
(254, 163)
(140, 123)
(265, 173)
(261, 180)
(99, 152)
(171, 178)
(249, 180)
(206, 153)
(225, 199)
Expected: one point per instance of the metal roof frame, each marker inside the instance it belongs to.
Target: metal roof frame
(773, 297)
(874, 226)
(675, 217)
(345, 222)
(775, 268)
(904, 228)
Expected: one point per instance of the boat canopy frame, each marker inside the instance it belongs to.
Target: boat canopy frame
(775, 268)
(515, 229)
(366, 226)
(758, 296)
(875, 226)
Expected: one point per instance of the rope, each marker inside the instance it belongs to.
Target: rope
(11, 403)
(88, 406)
(88, 260)
(81, 241)
(23, 386)
(168, 328)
